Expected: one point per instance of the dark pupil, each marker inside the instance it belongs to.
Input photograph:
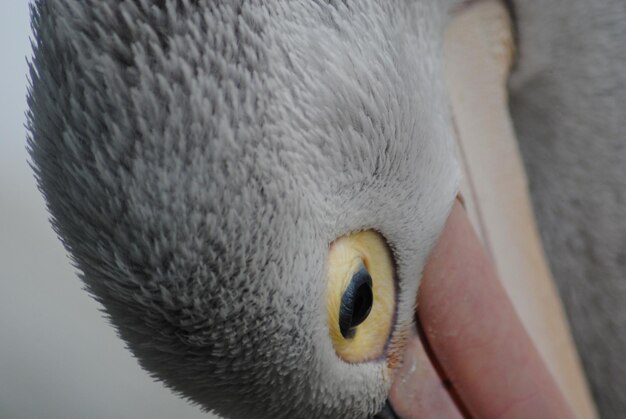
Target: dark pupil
(356, 303)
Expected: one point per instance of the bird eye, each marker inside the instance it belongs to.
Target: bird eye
(360, 295)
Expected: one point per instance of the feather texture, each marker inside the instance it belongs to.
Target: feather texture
(198, 158)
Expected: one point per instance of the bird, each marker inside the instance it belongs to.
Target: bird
(250, 188)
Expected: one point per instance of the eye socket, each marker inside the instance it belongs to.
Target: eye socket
(360, 296)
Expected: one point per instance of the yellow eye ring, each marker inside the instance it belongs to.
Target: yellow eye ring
(360, 295)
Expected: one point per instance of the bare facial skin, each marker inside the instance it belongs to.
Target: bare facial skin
(485, 364)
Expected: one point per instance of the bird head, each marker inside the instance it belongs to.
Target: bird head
(250, 189)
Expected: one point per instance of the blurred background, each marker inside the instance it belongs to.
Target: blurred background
(59, 357)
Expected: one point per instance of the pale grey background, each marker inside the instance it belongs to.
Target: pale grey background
(58, 357)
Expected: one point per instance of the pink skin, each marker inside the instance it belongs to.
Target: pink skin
(479, 345)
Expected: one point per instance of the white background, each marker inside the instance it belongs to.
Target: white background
(59, 358)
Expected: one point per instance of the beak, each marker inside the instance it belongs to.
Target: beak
(387, 412)
(421, 388)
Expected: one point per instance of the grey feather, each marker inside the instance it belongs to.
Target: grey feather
(568, 100)
(198, 157)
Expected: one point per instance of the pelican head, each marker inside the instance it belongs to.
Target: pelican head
(250, 188)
